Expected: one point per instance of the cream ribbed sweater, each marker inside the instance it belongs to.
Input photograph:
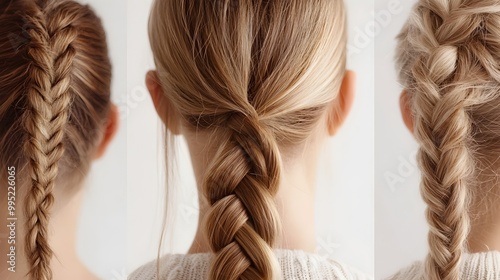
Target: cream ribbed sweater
(296, 265)
(480, 266)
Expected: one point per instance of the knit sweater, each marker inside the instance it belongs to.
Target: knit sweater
(479, 266)
(296, 265)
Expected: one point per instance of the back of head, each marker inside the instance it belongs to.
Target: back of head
(448, 58)
(257, 76)
(54, 100)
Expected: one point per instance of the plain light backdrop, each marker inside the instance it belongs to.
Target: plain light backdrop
(102, 232)
(400, 227)
(345, 191)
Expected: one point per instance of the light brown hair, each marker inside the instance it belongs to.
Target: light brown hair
(257, 77)
(54, 100)
(448, 56)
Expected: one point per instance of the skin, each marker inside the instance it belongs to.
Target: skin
(295, 199)
(63, 226)
(485, 224)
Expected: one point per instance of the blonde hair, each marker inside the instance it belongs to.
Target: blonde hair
(448, 57)
(54, 101)
(258, 76)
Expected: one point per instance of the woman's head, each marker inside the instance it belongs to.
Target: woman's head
(54, 107)
(256, 79)
(448, 58)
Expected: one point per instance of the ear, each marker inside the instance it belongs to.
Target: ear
(343, 104)
(406, 112)
(109, 133)
(162, 106)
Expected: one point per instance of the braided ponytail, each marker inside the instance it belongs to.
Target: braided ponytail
(240, 184)
(49, 99)
(256, 77)
(54, 109)
(443, 129)
(445, 53)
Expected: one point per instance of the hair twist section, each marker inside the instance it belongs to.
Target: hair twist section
(240, 185)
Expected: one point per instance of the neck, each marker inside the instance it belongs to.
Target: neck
(485, 226)
(295, 203)
(63, 226)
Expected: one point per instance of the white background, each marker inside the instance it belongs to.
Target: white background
(102, 232)
(400, 227)
(345, 218)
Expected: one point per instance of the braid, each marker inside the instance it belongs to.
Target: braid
(442, 128)
(37, 124)
(445, 54)
(49, 101)
(240, 185)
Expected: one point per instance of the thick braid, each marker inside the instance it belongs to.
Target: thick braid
(49, 101)
(443, 129)
(240, 185)
(447, 69)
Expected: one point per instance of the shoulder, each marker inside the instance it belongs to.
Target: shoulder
(345, 271)
(183, 267)
(484, 266)
(300, 265)
(145, 272)
(413, 272)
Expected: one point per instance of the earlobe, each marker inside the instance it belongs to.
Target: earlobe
(406, 112)
(168, 117)
(110, 131)
(343, 104)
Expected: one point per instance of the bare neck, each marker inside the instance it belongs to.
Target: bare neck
(485, 226)
(63, 227)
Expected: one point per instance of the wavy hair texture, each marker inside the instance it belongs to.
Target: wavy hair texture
(257, 76)
(448, 57)
(54, 101)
